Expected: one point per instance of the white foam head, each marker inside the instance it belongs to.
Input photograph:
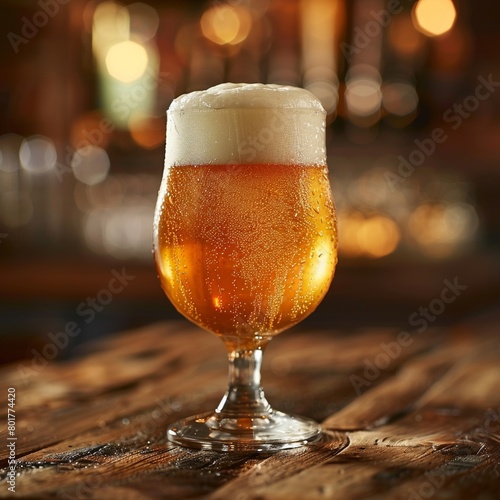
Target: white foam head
(246, 124)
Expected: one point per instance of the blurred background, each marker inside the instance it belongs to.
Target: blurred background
(412, 92)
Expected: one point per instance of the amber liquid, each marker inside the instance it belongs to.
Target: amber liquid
(246, 251)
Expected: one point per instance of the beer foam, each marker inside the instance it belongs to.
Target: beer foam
(246, 124)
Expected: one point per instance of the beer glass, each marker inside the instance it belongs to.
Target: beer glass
(245, 242)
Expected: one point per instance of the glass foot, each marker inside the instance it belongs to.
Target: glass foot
(271, 432)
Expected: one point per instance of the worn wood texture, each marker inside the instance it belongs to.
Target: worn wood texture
(405, 420)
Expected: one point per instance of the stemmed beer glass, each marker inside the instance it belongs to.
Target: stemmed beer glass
(245, 242)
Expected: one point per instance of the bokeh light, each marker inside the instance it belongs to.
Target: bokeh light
(440, 229)
(111, 24)
(127, 61)
(144, 21)
(399, 98)
(363, 96)
(378, 236)
(90, 164)
(37, 154)
(118, 215)
(319, 29)
(226, 24)
(434, 17)
(372, 236)
(128, 230)
(148, 132)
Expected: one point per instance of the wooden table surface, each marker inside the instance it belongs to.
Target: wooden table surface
(411, 416)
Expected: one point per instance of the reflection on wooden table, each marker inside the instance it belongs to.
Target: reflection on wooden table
(405, 416)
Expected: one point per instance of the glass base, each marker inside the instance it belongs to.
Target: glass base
(271, 432)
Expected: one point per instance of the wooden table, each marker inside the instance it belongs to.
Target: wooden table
(411, 416)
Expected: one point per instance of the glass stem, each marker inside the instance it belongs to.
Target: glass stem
(244, 396)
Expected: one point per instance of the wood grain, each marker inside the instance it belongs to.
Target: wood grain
(426, 426)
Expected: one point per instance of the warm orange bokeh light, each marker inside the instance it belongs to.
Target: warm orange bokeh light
(371, 236)
(146, 131)
(434, 17)
(226, 24)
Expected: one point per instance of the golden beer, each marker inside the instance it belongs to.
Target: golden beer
(246, 250)
(245, 242)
